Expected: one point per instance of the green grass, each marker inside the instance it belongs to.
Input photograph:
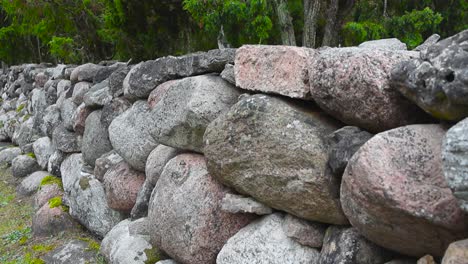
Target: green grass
(17, 244)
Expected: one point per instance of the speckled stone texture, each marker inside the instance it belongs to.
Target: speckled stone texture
(394, 192)
(263, 147)
(186, 220)
(352, 84)
(457, 253)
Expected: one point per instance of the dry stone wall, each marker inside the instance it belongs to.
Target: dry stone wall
(264, 154)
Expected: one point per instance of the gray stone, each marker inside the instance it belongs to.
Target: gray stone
(51, 120)
(31, 183)
(85, 72)
(67, 109)
(344, 245)
(43, 149)
(185, 210)
(73, 252)
(343, 144)
(86, 197)
(455, 161)
(228, 74)
(113, 110)
(121, 247)
(23, 165)
(437, 82)
(79, 118)
(7, 155)
(428, 42)
(51, 221)
(146, 76)
(98, 96)
(95, 139)
(264, 241)
(25, 133)
(263, 146)
(66, 141)
(116, 81)
(79, 91)
(55, 160)
(167, 261)
(105, 162)
(59, 72)
(130, 136)
(105, 72)
(155, 163)
(385, 44)
(233, 203)
(186, 109)
(366, 99)
(304, 232)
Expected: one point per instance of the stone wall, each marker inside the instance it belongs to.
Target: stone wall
(264, 154)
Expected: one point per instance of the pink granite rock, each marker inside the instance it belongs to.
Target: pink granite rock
(274, 69)
(45, 193)
(51, 221)
(394, 192)
(186, 220)
(122, 184)
(79, 118)
(352, 84)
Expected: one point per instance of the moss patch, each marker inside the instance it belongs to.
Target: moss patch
(20, 108)
(84, 183)
(55, 202)
(50, 179)
(152, 256)
(31, 154)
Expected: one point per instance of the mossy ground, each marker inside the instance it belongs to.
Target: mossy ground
(17, 245)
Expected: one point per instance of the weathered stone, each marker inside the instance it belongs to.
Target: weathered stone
(85, 72)
(52, 221)
(263, 147)
(55, 160)
(394, 192)
(79, 91)
(116, 81)
(51, 120)
(428, 42)
(43, 149)
(344, 245)
(455, 161)
(437, 82)
(66, 141)
(167, 261)
(233, 203)
(304, 232)
(130, 136)
(146, 76)
(23, 165)
(98, 96)
(264, 241)
(105, 72)
(86, 198)
(45, 193)
(427, 259)
(274, 69)
(157, 94)
(185, 210)
(79, 118)
(59, 72)
(73, 252)
(457, 253)
(25, 133)
(95, 139)
(121, 247)
(7, 155)
(122, 184)
(344, 143)
(104, 163)
(31, 183)
(155, 163)
(41, 79)
(352, 84)
(228, 74)
(186, 109)
(113, 110)
(385, 44)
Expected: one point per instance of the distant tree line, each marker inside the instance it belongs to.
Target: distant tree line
(75, 31)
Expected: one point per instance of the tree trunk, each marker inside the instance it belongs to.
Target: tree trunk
(285, 21)
(311, 15)
(335, 21)
(222, 40)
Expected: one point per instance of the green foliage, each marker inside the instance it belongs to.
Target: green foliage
(18, 235)
(356, 33)
(63, 49)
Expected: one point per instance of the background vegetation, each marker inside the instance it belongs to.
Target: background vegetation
(75, 31)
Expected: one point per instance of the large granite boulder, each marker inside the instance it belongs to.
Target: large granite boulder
(85, 72)
(43, 149)
(95, 139)
(353, 85)
(146, 76)
(185, 110)
(274, 69)
(385, 44)
(23, 165)
(130, 135)
(437, 82)
(264, 241)
(8, 154)
(185, 211)
(73, 252)
(50, 120)
(86, 197)
(113, 109)
(65, 140)
(455, 161)
(457, 253)
(51, 220)
(263, 147)
(394, 192)
(30, 184)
